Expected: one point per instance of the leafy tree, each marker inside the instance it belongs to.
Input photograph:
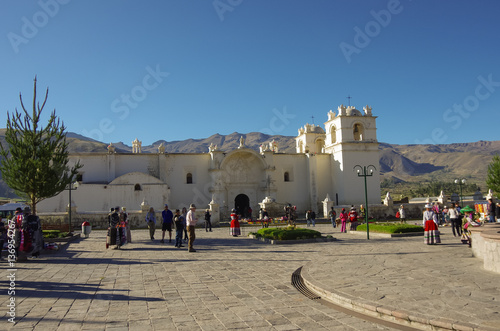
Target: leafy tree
(493, 179)
(36, 160)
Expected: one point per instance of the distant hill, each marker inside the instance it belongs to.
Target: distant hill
(399, 163)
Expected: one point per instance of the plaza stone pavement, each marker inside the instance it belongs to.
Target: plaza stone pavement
(241, 283)
(440, 285)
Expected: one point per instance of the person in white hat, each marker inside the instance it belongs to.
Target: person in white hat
(430, 222)
(191, 224)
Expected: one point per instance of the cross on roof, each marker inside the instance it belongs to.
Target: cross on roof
(349, 98)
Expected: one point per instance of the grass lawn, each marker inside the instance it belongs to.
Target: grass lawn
(391, 228)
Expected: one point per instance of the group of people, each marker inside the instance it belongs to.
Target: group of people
(119, 228)
(351, 217)
(25, 229)
(461, 219)
(311, 217)
(183, 222)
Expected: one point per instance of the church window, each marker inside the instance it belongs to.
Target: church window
(189, 178)
(287, 176)
(358, 132)
(137, 187)
(320, 143)
(333, 133)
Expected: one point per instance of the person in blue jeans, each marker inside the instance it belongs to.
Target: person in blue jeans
(491, 210)
(333, 216)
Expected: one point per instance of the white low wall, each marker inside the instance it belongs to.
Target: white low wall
(486, 245)
(100, 220)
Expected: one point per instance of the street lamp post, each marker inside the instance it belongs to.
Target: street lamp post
(461, 182)
(363, 172)
(71, 187)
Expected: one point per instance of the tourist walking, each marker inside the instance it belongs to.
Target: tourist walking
(166, 225)
(308, 217)
(151, 222)
(430, 222)
(191, 224)
(179, 228)
(114, 223)
(127, 225)
(208, 224)
(353, 218)
(456, 223)
(184, 214)
(333, 216)
(402, 214)
(313, 217)
(235, 224)
(122, 230)
(491, 211)
(343, 219)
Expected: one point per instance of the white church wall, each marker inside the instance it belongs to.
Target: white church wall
(146, 163)
(183, 194)
(324, 179)
(297, 188)
(94, 168)
(354, 191)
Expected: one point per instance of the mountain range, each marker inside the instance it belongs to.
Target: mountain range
(398, 163)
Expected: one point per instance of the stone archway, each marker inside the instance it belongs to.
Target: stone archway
(242, 204)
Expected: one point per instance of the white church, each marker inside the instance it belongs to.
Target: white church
(321, 171)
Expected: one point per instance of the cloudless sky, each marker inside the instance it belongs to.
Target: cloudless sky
(174, 69)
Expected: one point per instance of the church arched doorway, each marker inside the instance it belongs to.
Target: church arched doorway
(242, 205)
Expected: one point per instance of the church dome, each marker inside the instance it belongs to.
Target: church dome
(351, 111)
(311, 128)
(318, 129)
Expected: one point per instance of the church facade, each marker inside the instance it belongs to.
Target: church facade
(323, 167)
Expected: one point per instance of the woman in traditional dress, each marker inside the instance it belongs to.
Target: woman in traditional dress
(430, 222)
(343, 218)
(353, 218)
(235, 224)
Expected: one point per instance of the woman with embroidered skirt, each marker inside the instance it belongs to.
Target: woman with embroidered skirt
(430, 222)
(235, 224)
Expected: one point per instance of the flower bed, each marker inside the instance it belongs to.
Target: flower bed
(288, 233)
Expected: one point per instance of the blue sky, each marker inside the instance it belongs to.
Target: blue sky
(174, 70)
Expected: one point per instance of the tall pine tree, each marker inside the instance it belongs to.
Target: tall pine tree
(35, 163)
(493, 179)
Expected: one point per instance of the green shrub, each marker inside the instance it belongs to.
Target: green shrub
(288, 233)
(51, 233)
(391, 228)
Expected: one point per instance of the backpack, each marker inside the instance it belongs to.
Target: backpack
(397, 215)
